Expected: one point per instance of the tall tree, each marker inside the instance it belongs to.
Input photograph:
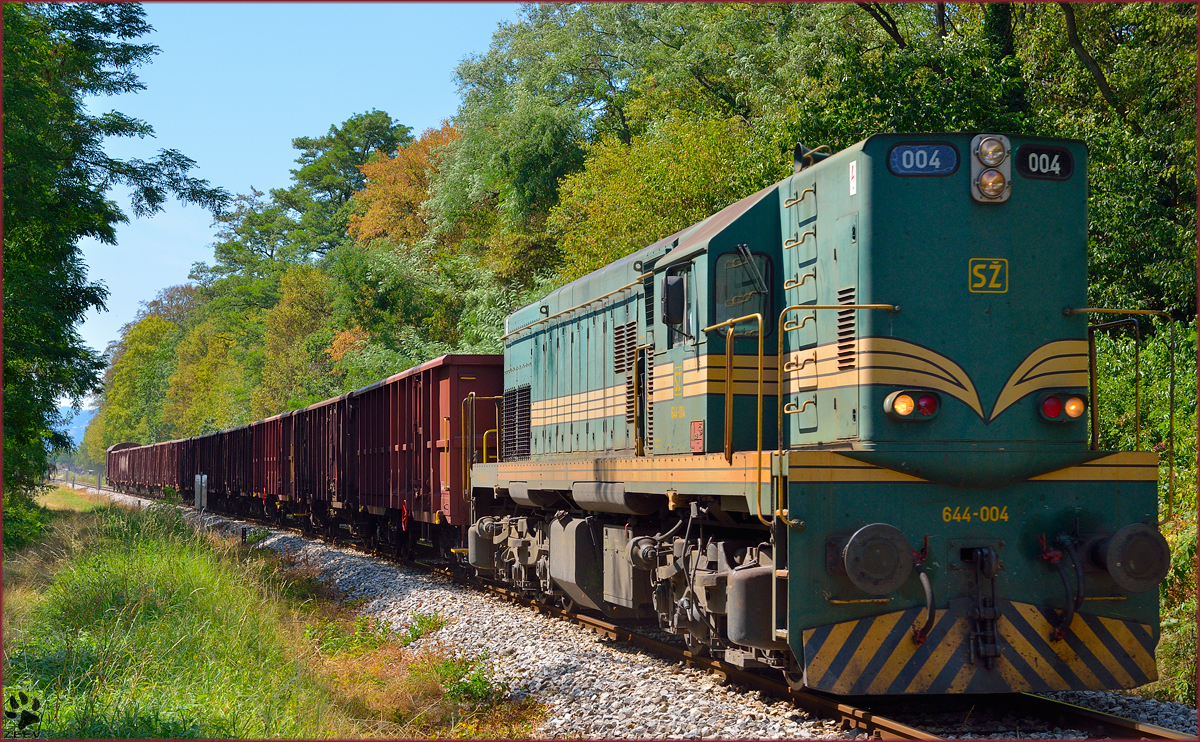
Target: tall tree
(56, 180)
(330, 173)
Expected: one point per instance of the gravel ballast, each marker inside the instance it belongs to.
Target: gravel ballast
(597, 688)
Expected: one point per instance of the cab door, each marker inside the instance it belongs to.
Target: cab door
(673, 405)
(801, 277)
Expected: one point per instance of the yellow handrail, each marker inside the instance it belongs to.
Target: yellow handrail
(729, 340)
(468, 450)
(485, 435)
(1137, 422)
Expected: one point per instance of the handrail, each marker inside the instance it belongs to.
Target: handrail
(1170, 396)
(626, 287)
(784, 329)
(468, 451)
(729, 343)
(485, 435)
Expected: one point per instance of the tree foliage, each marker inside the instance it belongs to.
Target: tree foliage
(56, 180)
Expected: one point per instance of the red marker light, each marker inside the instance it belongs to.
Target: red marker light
(927, 405)
(1052, 407)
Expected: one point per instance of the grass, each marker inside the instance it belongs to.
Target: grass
(65, 498)
(129, 624)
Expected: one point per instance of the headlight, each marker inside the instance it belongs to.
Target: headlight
(991, 169)
(991, 152)
(1074, 407)
(992, 183)
(903, 405)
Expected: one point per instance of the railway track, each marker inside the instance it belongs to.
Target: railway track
(873, 716)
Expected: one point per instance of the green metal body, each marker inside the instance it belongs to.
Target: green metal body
(608, 380)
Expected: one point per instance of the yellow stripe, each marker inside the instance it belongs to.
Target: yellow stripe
(962, 679)
(1027, 378)
(1064, 652)
(1031, 656)
(895, 663)
(1127, 466)
(1120, 631)
(1080, 628)
(881, 626)
(833, 643)
(938, 658)
(1012, 677)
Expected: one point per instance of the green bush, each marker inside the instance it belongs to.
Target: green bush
(147, 630)
(24, 520)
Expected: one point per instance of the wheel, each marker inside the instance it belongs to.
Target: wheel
(695, 646)
(794, 679)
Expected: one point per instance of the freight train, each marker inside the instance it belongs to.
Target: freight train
(844, 429)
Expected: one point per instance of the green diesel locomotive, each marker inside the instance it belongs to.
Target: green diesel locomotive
(844, 428)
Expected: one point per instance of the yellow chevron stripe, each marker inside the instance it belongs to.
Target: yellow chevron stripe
(1061, 363)
(1125, 466)
(866, 650)
(1120, 631)
(1063, 650)
(1081, 629)
(901, 363)
(945, 648)
(833, 644)
(1031, 656)
(1019, 667)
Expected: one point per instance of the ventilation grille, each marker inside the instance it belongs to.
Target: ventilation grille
(624, 347)
(847, 350)
(648, 444)
(516, 423)
(648, 290)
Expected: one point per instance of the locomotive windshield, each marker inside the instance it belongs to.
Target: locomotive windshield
(741, 286)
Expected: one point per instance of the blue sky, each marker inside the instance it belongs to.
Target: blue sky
(235, 82)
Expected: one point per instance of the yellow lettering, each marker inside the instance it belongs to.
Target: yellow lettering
(980, 279)
(996, 268)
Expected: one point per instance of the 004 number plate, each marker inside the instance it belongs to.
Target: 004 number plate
(987, 514)
(922, 159)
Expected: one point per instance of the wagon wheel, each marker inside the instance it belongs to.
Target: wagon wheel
(695, 646)
(794, 677)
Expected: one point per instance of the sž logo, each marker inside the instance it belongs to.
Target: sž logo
(987, 275)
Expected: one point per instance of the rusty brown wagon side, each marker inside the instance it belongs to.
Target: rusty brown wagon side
(408, 430)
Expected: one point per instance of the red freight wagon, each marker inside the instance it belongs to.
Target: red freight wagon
(118, 465)
(409, 459)
(319, 467)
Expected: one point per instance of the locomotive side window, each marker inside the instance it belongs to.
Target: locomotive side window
(678, 305)
(741, 286)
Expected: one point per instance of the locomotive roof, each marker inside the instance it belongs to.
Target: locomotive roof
(624, 270)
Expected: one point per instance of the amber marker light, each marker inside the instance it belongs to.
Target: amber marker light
(1074, 407)
(992, 183)
(903, 405)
